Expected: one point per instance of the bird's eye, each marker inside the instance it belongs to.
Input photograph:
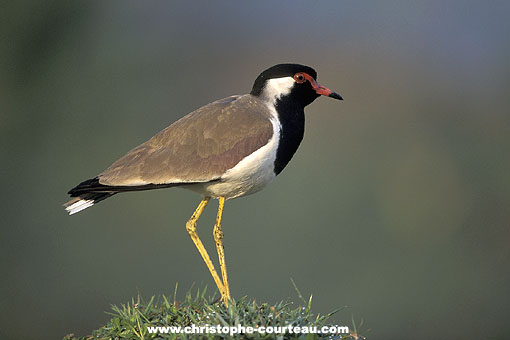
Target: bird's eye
(299, 78)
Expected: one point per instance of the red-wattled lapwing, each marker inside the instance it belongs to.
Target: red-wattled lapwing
(226, 149)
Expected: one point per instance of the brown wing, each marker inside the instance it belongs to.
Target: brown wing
(199, 147)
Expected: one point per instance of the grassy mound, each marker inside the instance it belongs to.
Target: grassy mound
(132, 321)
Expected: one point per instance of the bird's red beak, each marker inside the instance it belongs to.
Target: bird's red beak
(324, 91)
(321, 90)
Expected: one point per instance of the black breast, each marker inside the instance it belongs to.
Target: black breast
(292, 120)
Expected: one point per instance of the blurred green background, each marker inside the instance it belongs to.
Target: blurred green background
(396, 204)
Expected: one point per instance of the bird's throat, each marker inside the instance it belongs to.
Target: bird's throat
(292, 122)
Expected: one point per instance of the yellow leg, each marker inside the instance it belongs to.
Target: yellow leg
(218, 238)
(191, 227)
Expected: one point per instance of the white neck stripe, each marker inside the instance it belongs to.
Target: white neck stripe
(276, 88)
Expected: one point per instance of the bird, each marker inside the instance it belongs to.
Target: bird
(226, 149)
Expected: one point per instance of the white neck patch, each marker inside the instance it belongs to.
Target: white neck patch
(277, 87)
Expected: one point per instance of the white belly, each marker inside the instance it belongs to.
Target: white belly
(250, 175)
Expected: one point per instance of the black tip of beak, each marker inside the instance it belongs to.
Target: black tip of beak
(336, 96)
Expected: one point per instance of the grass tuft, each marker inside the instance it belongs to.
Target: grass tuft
(130, 321)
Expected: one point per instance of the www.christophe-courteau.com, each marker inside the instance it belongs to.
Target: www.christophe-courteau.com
(239, 329)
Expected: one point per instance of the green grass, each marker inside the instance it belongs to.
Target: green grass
(130, 321)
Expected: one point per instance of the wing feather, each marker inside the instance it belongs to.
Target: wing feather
(199, 147)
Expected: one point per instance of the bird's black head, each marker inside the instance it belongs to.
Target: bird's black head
(293, 81)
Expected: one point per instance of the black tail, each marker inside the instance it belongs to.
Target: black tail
(90, 186)
(89, 192)
(93, 185)
(86, 194)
